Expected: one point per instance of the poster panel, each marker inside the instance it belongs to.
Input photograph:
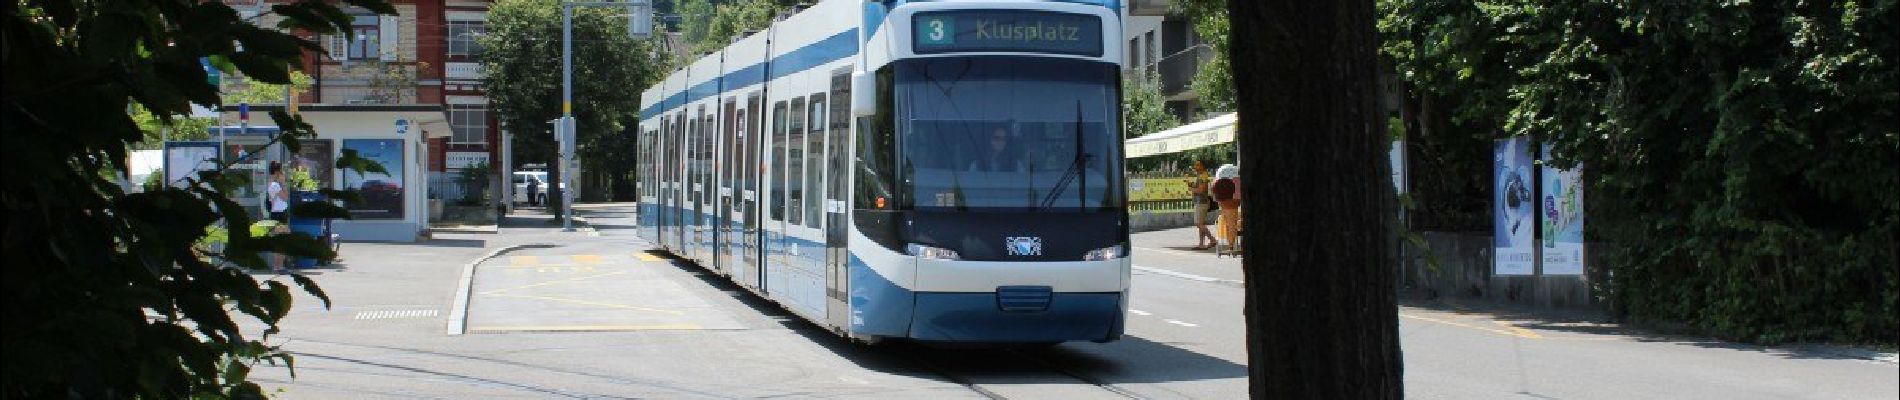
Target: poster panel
(186, 158)
(1562, 214)
(382, 192)
(1513, 210)
(318, 158)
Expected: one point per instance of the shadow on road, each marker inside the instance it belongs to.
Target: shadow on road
(1129, 360)
(1593, 324)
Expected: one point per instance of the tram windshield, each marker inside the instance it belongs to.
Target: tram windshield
(1008, 134)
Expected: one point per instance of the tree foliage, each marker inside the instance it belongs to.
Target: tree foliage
(729, 20)
(1743, 154)
(107, 294)
(156, 131)
(1143, 108)
(522, 54)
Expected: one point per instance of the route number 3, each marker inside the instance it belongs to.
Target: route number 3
(936, 31)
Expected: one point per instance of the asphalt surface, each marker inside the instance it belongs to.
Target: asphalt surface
(593, 314)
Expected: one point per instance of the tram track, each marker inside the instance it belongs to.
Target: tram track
(983, 372)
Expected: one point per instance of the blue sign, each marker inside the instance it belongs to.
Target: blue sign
(402, 126)
(212, 74)
(244, 111)
(1006, 31)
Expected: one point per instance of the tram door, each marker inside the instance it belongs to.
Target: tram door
(678, 170)
(837, 259)
(726, 221)
(751, 168)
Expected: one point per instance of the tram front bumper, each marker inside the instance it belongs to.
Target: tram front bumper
(1002, 318)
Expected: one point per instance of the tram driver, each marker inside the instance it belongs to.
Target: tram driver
(999, 156)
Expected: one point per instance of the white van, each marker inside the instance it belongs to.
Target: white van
(521, 187)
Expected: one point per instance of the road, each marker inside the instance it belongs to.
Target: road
(593, 314)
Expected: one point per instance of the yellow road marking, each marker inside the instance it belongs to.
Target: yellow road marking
(539, 266)
(1512, 331)
(525, 260)
(553, 282)
(573, 328)
(589, 303)
(588, 259)
(647, 257)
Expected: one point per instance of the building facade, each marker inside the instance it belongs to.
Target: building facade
(1164, 42)
(414, 77)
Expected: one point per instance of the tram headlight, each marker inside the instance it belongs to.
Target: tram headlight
(1105, 253)
(932, 253)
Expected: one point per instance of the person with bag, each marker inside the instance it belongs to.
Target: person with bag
(1226, 193)
(1197, 187)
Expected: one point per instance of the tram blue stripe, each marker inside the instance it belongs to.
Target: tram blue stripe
(844, 44)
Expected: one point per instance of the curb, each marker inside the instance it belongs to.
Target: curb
(1851, 352)
(458, 313)
(581, 225)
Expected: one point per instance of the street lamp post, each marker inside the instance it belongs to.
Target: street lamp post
(638, 27)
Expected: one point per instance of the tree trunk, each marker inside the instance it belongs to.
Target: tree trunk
(1322, 321)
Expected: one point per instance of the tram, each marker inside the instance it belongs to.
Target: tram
(937, 171)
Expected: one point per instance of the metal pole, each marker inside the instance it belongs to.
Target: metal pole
(567, 104)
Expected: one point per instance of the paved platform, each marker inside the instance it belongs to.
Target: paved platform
(585, 288)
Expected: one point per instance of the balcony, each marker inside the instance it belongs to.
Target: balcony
(1177, 70)
(1148, 8)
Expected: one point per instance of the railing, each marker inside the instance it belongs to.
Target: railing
(451, 189)
(1159, 191)
(1178, 69)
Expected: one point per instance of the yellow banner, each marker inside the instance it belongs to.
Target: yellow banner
(1153, 189)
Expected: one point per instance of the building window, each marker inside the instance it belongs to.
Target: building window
(468, 123)
(364, 41)
(462, 38)
(1148, 47)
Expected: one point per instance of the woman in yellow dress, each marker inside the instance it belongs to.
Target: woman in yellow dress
(1226, 191)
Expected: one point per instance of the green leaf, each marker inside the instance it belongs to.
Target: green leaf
(310, 286)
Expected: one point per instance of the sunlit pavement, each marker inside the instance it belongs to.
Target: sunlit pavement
(591, 313)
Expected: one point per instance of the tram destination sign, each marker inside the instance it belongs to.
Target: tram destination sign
(1006, 31)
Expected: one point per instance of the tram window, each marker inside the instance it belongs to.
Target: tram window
(725, 158)
(840, 129)
(706, 133)
(795, 163)
(876, 165)
(752, 165)
(777, 180)
(814, 158)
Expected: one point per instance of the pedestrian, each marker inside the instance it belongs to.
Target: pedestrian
(1226, 192)
(278, 201)
(534, 191)
(1197, 188)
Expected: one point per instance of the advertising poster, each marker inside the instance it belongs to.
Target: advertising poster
(186, 159)
(382, 193)
(1562, 212)
(316, 157)
(246, 161)
(1513, 209)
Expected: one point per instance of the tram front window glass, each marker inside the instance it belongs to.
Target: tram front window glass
(1008, 134)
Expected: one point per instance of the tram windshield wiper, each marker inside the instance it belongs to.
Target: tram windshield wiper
(1077, 168)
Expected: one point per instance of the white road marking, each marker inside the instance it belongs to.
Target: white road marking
(388, 314)
(1138, 312)
(1184, 275)
(1182, 323)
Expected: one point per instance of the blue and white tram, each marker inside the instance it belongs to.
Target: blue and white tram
(932, 170)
